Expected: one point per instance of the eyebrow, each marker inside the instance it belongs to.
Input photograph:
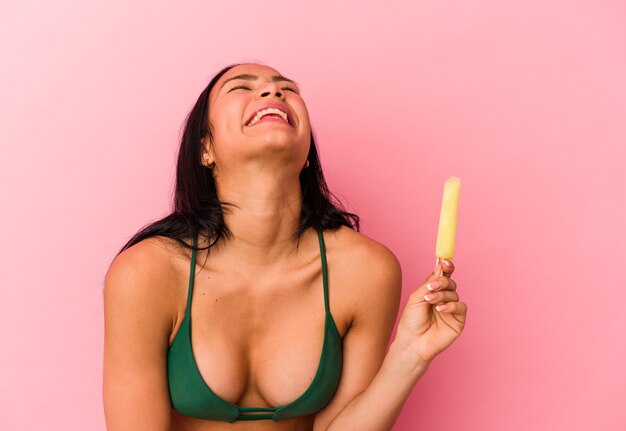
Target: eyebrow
(249, 77)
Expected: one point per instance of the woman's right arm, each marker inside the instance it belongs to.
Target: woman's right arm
(137, 325)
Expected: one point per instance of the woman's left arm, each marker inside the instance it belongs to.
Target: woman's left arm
(375, 382)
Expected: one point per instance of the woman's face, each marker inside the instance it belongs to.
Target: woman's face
(270, 140)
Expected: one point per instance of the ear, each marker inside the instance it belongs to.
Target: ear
(207, 152)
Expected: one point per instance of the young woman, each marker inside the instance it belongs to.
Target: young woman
(289, 308)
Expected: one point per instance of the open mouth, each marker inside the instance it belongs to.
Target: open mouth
(269, 114)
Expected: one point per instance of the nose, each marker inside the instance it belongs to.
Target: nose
(271, 88)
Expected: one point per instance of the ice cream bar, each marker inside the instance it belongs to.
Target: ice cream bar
(446, 236)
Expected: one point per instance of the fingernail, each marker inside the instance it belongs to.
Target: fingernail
(446, 262)
(441, 307)
(428, 298)
(432, 285)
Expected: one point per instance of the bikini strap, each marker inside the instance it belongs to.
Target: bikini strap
(324, 268)
(192, 273)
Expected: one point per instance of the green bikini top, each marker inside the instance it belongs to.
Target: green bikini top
(191, 396)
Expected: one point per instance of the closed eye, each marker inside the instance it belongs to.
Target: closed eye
(248, 88)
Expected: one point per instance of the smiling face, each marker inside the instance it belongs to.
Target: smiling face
(237, 96)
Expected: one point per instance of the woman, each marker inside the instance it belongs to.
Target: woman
(285, 276)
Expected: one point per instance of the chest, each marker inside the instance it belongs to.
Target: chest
(257, 338)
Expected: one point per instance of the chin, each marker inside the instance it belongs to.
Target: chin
(278, 139)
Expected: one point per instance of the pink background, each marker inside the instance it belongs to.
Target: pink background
(524, 101)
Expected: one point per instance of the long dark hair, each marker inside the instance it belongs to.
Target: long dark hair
(197, 207)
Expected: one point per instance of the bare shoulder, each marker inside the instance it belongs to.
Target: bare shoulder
(357, 250)
(138, 320)
(143, 276)
(149, 259)
(369, 270)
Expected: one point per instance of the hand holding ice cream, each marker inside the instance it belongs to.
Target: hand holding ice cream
(434, 317)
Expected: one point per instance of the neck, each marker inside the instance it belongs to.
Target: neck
(266, 215)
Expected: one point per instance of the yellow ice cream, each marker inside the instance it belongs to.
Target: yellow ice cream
(446, 237)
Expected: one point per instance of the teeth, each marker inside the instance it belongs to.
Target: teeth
(260, 115)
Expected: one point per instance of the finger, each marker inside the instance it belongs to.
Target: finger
(437, 272)
(448, 267)
(443, 268)
(458, 308)
(440, 283)
(451, 284)
(431, 284)
(441, 297)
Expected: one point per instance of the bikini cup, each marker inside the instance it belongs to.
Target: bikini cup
(191, 396)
